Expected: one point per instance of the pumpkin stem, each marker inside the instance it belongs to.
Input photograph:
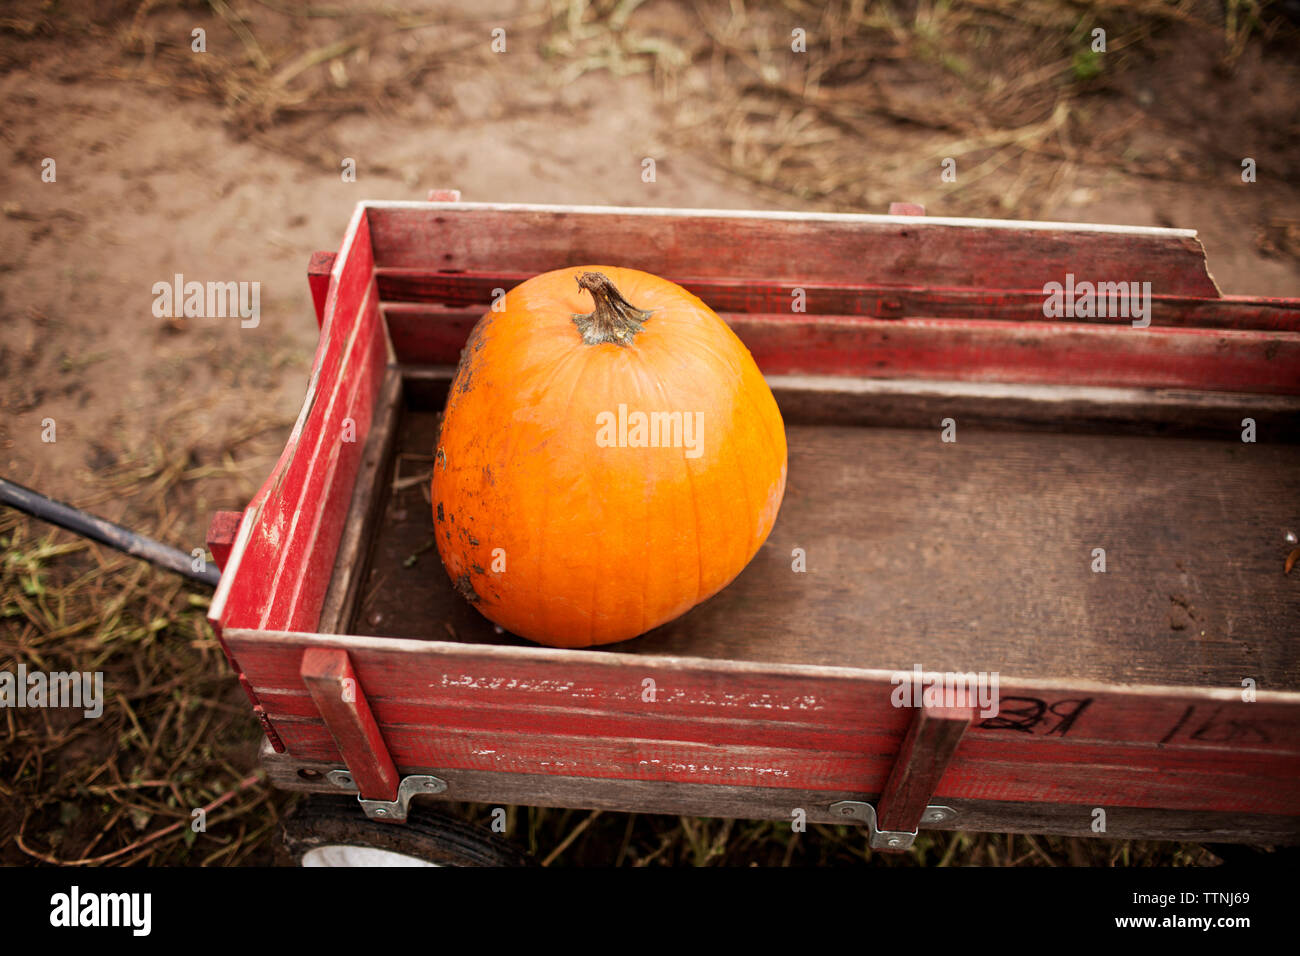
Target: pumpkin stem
(614, 319)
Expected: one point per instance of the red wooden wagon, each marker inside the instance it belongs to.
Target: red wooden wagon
(1159, 697)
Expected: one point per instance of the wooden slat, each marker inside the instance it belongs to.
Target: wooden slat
(534, 710)
(422, 677)
(1107, 778)
(780, 804)
(804, 247)
(1239, 739)
(341, 702)
(963, 350)
(919, 403)
(1040, 354)
(776, 803)
(297, 590)
(894, 403)
(368, 499)
(932, 739)
(292, 524)
(474, 290)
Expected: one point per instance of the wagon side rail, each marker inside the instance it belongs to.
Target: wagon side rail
(745, 739)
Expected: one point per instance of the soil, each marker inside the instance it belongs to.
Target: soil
(219, 169)
(151, 183)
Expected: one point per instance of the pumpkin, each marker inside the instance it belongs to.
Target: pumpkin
(609, 457)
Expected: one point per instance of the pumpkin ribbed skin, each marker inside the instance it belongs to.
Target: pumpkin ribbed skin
(562, 539)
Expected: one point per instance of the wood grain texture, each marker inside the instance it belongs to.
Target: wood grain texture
(473, 291)
(920, 403)
(973, 555)
(726, 723)
(776, 803)
(341, 703)
(368, 498)
(932, 738)
(885, 403)
(814, 247)
(281, 568)
(951, 349)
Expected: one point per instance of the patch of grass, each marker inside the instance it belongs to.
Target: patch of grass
(175, 735)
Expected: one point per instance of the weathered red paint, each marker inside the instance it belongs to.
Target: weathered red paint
(965, 350)
(318, 278)
(932, 738)
(883, 299)
(474, 290)
(341, 701)
(221, 535)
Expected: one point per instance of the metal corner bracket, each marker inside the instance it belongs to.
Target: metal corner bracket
(887, 839)
(390, 811)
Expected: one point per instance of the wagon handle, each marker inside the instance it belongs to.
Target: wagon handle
(105, 532)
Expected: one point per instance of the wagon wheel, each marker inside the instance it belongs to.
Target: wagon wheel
(326, 830)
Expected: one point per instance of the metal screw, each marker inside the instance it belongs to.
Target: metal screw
(846, 811)
(894, 841)
(381, 812)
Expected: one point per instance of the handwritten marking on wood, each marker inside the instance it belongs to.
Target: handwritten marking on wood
(1033, 715)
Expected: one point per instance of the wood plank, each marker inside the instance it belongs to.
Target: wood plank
(285, 531)
(470, 687)
(296, 593)
(802, 247)
(1238, 739)
(368, 498)
(341, 702)
(775, 803)
(1106, 779)
(932, 739)
(921, 403)
(461, 675)
(473, 291)
(887, 403)
(541, 710)
(961, 350)
(975, 555)
(967, 350)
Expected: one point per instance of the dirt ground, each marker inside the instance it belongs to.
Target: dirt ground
(151, 183)
(225, 165)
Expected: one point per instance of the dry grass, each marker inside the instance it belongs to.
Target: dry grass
(175, 734)
(1006, 94)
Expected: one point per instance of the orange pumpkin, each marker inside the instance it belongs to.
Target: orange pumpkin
(610, 456)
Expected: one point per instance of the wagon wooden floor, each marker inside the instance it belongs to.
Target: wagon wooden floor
(969, 556)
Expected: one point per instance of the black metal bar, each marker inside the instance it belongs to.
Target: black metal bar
(105, 532)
